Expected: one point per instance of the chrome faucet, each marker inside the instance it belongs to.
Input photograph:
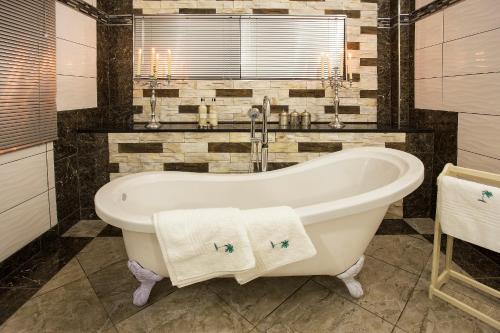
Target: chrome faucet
(266, 112)
(259, 146)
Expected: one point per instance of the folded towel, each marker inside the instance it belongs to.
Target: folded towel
(470, 211)
(200, 244)
(278, 238)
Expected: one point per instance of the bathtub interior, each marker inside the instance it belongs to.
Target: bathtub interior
(296, 188)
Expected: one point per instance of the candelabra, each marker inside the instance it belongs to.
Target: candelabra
(154, 83)
(335, 82)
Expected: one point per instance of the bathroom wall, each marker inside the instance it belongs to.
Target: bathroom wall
(78, 157)
(457, 73)
(179, 101)
(27, 199)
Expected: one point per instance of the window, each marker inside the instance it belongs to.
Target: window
(238, 47)
(27, 74)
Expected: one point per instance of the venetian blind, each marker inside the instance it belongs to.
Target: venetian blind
(27, 73)
(284, 47)
(202, 47)
(239, 47)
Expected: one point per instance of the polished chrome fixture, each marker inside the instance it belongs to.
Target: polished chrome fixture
(259, 146)
(335, 82)
(153, 122)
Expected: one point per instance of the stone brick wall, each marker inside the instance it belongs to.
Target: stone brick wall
(222, 152)
(179, 100)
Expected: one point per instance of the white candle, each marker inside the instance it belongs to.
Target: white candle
(139, 62)
(329, 67)
(153, 61)
(169, 62)
(322, 65)
(349, 68)
(157, 65)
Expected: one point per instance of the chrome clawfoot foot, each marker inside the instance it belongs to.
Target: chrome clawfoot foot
(348, 277)
(147, 279)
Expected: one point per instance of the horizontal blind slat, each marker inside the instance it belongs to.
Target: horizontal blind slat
(27, 73)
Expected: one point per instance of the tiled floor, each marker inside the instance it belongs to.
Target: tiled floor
(91, 292)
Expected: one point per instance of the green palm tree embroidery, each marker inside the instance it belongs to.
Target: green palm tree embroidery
(485, 195)
(284, 244)
(229, 248)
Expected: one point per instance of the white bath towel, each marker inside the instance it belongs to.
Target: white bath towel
(470, 211)
(278, 238)
(200, 244)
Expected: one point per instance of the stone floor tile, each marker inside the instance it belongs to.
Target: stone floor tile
(73, 307)
(43, 266)
(314, 308)
(86, 228)
(395, 227)
(110, 231)
(386, 288)
(69, 273)
(114, 286)
(101, 252)
(187, 310)
(403, 251)
(258, 298)
(12, 299)
(424, 315)
(422, 225)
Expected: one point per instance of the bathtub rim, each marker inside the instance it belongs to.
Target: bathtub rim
(385, 195)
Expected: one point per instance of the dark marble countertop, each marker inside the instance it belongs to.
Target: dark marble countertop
(245, 127)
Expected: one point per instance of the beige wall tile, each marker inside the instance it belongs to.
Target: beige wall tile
(429, 94)
(429, 31)
(472, 93)
(471, 55)
(479, 134)
(470, 17)
(429, 62)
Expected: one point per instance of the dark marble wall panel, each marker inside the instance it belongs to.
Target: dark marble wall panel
(114, 66)
(445, 126)
(80, 161)
(67, 189)
(384, 76)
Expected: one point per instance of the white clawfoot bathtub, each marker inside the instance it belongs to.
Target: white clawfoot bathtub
(341, 199)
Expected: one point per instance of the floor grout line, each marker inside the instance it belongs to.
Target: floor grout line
(350, 301)
(286, 299)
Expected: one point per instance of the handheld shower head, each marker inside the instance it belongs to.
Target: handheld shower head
(253, 113)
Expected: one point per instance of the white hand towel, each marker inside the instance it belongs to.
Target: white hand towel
(278, 238)
(200, 244)
(470, 211)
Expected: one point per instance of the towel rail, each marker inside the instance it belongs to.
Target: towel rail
(438, 280)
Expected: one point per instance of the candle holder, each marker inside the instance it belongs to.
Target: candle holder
(153, 83)
(153, 122)
(335, 82)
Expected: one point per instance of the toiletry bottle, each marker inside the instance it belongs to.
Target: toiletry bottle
(283, 119)
(294, 119)
(212, 115)
(305, 119)
(202, 114)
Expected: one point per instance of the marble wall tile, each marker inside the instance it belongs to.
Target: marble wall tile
(67, 189)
